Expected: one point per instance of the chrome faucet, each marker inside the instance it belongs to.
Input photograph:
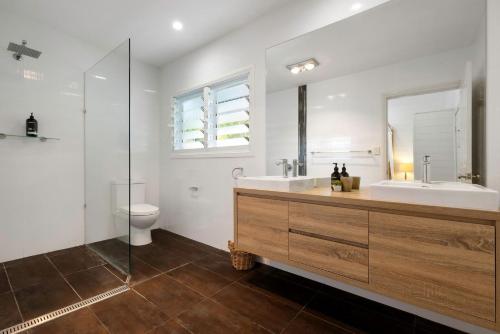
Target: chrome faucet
(286, 166)
(426, 169)
(295, 167)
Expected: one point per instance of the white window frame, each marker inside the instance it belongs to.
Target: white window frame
(217, 152)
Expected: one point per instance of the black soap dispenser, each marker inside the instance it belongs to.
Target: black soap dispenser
(344, 171)
(335, 179)
(31, 126)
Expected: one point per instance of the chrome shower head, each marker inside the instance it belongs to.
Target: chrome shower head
(21, 50)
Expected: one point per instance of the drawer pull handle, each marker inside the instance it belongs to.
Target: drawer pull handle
(324, 237)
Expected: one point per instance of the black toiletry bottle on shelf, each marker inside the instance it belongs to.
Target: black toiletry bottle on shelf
(344, 171)
(335, 175)
(31, 127)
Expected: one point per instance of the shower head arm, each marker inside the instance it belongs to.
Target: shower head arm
(21, 50)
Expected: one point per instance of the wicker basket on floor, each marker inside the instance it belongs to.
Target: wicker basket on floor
(241, 260)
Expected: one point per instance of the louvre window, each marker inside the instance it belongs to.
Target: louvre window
(215, 116)
(189, 128)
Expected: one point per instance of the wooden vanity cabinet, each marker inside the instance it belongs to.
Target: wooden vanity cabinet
(441, 259)
(262, 227)
(447, 265)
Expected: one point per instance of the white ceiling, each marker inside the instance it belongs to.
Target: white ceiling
(106, 23)
(396, 31)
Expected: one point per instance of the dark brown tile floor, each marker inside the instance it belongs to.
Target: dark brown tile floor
(39, 284)
(181, 286)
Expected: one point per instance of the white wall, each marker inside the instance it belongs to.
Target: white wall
(347, 113)
(106, 143)
(207, 215)
(400, 116)
(355, 118)
(434, 135)
(41, 184)
(282, 133)
(492, 96)
(145, 129)
(107, 140)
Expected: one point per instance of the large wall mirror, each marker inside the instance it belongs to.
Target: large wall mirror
(381, 90)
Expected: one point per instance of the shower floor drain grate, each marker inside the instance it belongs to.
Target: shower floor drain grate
(63, 311)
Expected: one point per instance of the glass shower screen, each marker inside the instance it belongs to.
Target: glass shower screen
(107, 157)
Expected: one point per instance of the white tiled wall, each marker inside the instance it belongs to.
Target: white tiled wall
(107, 145)
(434, 135)
(206, 215)
(401, 114)
(347, 113)
(41, 184)
(282, 135)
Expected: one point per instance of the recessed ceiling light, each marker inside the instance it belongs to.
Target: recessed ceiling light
(177, 25)
(356, 6)
(100, 77)
(295, 70)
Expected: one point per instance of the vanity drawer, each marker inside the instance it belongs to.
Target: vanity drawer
(330, 221)
(331, 256)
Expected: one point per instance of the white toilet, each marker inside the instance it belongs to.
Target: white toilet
(142, 215)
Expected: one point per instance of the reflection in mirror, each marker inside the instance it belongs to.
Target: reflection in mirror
(385, 91)
(425, 125)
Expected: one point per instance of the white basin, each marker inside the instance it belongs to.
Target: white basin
(451, 194)
(280, 183)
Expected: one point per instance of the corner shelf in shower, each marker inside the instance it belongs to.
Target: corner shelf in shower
(40, 138)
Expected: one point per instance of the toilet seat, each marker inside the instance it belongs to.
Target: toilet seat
(140, 209)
